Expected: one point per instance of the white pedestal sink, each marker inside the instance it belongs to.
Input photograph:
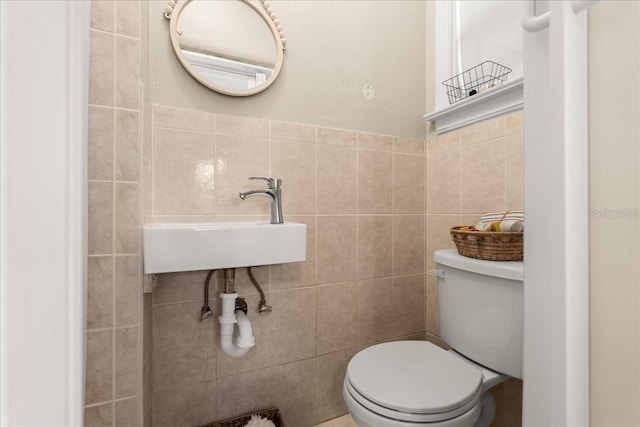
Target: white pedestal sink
(171, 247)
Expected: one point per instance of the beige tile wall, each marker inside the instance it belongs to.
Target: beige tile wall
(472, 171)
(113, 391)
(370, 243)
(362, 197)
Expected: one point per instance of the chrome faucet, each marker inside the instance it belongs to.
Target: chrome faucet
(273, 194)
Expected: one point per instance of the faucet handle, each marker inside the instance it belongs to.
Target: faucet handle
(273, 183)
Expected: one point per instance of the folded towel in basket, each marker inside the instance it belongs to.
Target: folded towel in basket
(258, 421)
(509, 221)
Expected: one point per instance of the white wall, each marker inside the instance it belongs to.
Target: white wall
(615, 204)
(334, 49)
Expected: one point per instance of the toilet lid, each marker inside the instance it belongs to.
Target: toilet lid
(414, 377)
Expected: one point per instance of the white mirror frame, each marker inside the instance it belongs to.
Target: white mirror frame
(173, 13)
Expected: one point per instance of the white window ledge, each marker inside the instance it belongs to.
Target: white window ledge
(500, 100)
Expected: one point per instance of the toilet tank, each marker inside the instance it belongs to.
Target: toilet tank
(481, 309)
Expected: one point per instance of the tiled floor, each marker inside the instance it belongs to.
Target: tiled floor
(343, 421)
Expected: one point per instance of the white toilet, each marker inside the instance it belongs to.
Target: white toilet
(416, 383)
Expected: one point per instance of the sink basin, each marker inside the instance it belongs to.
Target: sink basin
(170, 247)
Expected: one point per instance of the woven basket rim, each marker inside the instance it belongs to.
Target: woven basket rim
(456, 229)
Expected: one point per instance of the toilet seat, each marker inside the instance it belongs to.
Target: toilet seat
(413, 381)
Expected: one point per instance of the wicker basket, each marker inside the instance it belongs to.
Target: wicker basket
(272, 414)
(488, 245)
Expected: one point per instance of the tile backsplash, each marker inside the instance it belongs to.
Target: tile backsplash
(362, 198)
(376, 207)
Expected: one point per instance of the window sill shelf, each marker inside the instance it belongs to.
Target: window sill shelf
(495, 102)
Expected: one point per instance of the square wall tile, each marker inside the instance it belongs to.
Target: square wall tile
(146, 172)
(337, 317)
(337, 249)
(408, 244)
(375, 189)
(432, 312)
(337, 180)
(100, 218)
(331, 371)
(99, 415)
(128, 412)
(342, 138)
(127, 145)
(514, 123)
(127, 59)
(375, 318)
(127, 288)
(376, 142)
(102, 15)
(185, 286)
(281, 131)
(99, 360)
(100, 292)
(438, 236)
(408, 184)
(444, 141)
(443, 181)
(192, 405)
(295, 164)
(297, 274)
(296, 391)
(482, 177)
(127, 206)
(470, 219)
(101, 138)
(294, 311)
(127, 365)
(128, 18)
(375, 246)
(237, 159)
(183, 172)
(409, 304)
(482, 131)
(178, 118)
(101, 68)
(408, 146)
(242, 126)
(514, 173)
(147, 393)
(184, 347)
(244, 393)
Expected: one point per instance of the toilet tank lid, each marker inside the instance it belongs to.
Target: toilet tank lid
(511, 270)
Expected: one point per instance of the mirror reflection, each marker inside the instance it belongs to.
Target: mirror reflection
(228, 45)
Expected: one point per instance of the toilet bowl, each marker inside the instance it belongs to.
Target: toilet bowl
(416, 383)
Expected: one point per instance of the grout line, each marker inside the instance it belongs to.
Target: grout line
(164, 128)
(393, 215)
(316, 210)
(357, 275)
(113, 180)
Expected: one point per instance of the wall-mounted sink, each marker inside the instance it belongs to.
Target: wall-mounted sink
(170, 247)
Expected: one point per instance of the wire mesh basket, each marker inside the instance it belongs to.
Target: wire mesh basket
(475, 80)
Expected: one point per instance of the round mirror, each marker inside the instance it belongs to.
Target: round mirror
(230, 46)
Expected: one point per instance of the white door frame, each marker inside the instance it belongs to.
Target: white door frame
(44, 55)
(556, 340)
